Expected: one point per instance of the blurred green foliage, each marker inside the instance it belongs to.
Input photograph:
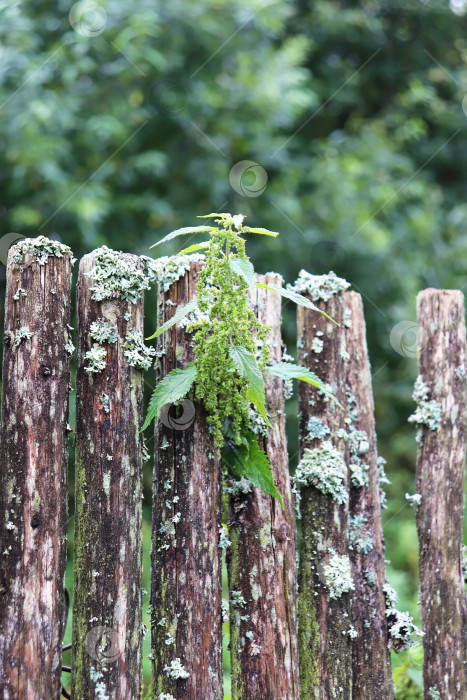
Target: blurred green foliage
(127, 124)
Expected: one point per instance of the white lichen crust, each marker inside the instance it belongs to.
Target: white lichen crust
(323, 468)
(338, 575)
(42, 248)
(319, 287)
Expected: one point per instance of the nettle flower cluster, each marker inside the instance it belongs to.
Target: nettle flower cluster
(230, 347)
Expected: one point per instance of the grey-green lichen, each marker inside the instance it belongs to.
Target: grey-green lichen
(415, 500)
(95, 357)
(464, 562)
(105, 401)
(103, 331)
(359, 538)
(323, 468)
(165, 696)
(383, 479)
(237, 600)
(238, 487)
(117, 276)
(170, 269)
(433, 692)
(176, 670)
(461, 372)
(400, 624)
(358, 444)
(317, 430)
(427, 413)
(338, 576)
(136, 352)
(20, 292)
(23, 334)
(257, 423)
(43, 248)
(317, 345)
(224, 542)
(319, 287)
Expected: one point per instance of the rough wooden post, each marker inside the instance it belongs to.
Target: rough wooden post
(440, 393)
(262, 556)
(371, 664)
(33, 474)
(186, 600)
(322, 479)
(107, 617)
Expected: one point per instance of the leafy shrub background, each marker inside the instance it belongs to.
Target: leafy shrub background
(354, 110)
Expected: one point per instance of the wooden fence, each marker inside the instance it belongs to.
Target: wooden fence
(319, 630)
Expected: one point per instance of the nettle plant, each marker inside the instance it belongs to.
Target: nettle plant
(231, 349)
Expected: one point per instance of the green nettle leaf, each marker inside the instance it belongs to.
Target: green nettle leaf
(247, 459)
(183, 232)
(245, 269)
(263, 231)
(248, 368)
(287, 370)
(297, 298)
(172, 388)
(193, 248)
(179, 314)
(214, 216)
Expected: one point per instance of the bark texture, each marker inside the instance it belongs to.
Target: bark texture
(324, 623)
(371, 660)
(186, 600)
(440, 482)
(107, 618)
(262, 557)
(33, 476)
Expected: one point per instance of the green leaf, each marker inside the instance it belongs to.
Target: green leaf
(294, 296)
(178, 315)
(172, 388)
(248, 368)
(194, 247)
(211, 216)
(263, 231)
(287, 370)
(247, 459)
(183, 232)
(245, 269)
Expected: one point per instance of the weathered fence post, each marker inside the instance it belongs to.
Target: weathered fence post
(322, 479)
(440, 393)
(33, 474)
(371, 664)
(186, 601)
(262, 556)
(106, 652)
